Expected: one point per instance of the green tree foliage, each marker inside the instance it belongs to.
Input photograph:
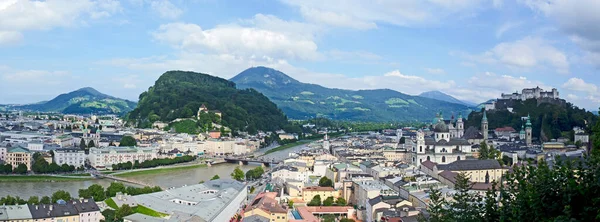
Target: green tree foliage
(488, 152)
(128, 141)
(328, 202)
(91, 144)
(153, 163)
(41, 166)
(94, 191)
(291, 204)
(178, 94)
(109, 215)
(402, 140)
(21, 169)
(316, 201)
(340, 202)
(45, 200)
(255, 173)
(61, 195)
(123, 211)
(346, 220)
(6, 168)
(115, 188)
(550, 118)
(237, 174)
(325, 182)
(186, 126)
(215, 177)
(329, 218)
(9, 200)
(568, 191)
(33, 200)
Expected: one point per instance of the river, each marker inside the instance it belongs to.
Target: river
(173, 178)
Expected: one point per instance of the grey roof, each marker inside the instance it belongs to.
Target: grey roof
(55, 210)
(441, 128)
(443, 142)
(137, 217)
(255, 218)
(209, 198)
(86, 205)
(472, 133)
(16, 212)
(391, 200)
(461, 165)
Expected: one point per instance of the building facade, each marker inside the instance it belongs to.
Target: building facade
(72, 157)
(101, 158)
(532, 93)
(18, 155)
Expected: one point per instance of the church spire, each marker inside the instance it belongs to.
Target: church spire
(528, 121)
(484, 116)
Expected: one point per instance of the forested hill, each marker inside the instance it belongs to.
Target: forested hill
(179, 94)
(553, 120)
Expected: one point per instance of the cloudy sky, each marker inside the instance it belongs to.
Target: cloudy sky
(471, 49)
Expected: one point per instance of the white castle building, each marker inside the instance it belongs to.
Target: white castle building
(533, 93)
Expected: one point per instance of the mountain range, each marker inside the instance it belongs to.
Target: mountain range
(82, 101)
(303, 100)
(445, 97)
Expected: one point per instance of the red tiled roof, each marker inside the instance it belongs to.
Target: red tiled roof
(449, 175)
(318, 189)
(505, 129)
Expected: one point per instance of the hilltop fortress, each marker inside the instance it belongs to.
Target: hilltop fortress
(507, 101)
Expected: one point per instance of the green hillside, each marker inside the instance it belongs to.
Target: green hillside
(83, 101)
(549, 121)
(179, 94)
(303, 101)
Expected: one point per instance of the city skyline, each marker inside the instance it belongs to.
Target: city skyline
(472, 50)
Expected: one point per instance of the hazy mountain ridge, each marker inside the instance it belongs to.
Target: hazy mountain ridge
(302, 100)
(445, 97)
(82, 101)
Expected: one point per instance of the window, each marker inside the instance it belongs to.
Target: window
(443, 159)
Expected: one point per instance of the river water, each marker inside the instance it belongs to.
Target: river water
(174, 178)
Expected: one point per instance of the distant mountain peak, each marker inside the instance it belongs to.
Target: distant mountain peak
(438, 95)
(264, 75)
(89, 90)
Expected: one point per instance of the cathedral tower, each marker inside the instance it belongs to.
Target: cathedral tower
(460, 126)
(528, 130)
(484, 126)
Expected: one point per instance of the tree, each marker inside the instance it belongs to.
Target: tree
(128, 141)
(21, 169)
(316, 201)
(483, 151)
(325, 182)
(45, 200)
(61, 195)
(466, 205)
(237, 174)
(402, 140)
(115, 188)
(340, 202)
(33, 200)
(82, 144)
(328, 202)
(109, 215)
(97, 192)
(291, 204)
(437, 205)
(329, 218)
(123, 211)
(91, 144)
(215, 177)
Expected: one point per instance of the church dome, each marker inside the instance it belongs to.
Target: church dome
(441, 127)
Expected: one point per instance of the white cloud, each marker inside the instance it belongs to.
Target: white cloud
(578, 19)
(436, 71)
(248, 42)
(17, 16)
(506, 27)
(529, 52)
(10, 37)
(363, 15)
(577, 84)
(166, 9)
(352, 55)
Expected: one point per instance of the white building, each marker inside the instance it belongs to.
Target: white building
(72, 157)
(533, 93)
(215, 200)
(369, 189)
(441, 148)
(3, 151)
(101, 158)
(286, 173)
(35, 145)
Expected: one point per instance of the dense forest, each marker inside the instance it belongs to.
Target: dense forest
(179, 94)
(549, 121)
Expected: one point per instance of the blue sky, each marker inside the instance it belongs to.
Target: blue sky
(471, 49)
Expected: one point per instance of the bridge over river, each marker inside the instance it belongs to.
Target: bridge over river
(121, 179)
(245, 161)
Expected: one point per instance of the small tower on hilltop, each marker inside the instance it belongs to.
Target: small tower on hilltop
(528, 130)
(484, 126)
